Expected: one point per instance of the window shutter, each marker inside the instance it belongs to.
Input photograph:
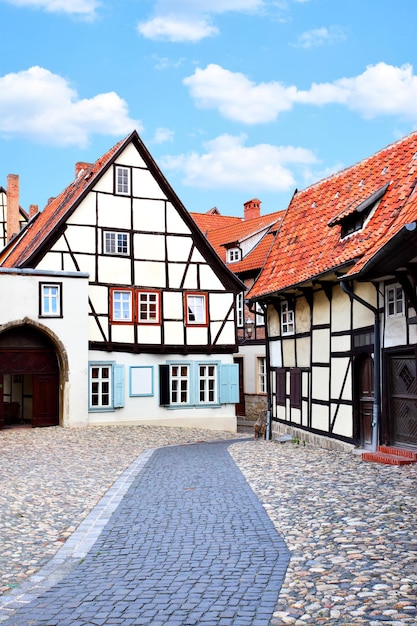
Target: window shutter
(281, 390)
(295, 388)
(229, 383)
(164, 385)
(118, 386)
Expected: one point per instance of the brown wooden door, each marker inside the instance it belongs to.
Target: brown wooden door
(240, 408)
(1, 402)
(403, 400)
(366, 400)
(45, 400)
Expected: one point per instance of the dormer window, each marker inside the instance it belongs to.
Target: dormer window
(353, 218)
(233, 255)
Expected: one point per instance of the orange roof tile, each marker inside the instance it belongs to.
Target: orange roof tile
(309, 242)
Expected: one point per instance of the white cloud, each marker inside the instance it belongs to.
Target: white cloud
(236, 97)
(381, 89)
(162, 135)
(228, 164)
(320, 37)
(42, 106)
(173, 28)
(82, 8)
(189, 20)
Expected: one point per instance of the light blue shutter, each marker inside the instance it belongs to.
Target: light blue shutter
(229, 383)
(118, 386)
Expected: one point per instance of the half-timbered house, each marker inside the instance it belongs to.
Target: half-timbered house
(339, 287)
(243, 244)
(161, 304)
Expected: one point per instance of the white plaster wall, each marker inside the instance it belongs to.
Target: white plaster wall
(175, 223)
(174, 333)
(176, 272)
(146, 410)
(321, 346)
(144, 185)
(320, 383)
(339, 367)
(275, 353)
(273, 322)
(114, 270)
(196, 336)
(340, 343)
(288, 352)
(343, 425)
(150, 247)
(395, 333)
(340, 310)
(227, 335)
(20, 301)
(321, 308)
(250, 354)
(173, 305)
(147, 333)
(208, 278)
(86, 211)
(149, 215)
(123, 333)
(81, 238)
(319, 417)
(303, 352)
(114, 211)
(179, 248)
(149, 274)
(302, 316)
(362, 316)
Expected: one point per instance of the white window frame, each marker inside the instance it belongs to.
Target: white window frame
(207, 383)
(259, 317)
(240, 309)
(261, 368)
(101, 386)
(50, 304)
(196, 306)
(287, 319)
(121, 304)
(116, 242)
(180, 384)
(234, 255)
(122, 180)
(395, 301)
(148, 308)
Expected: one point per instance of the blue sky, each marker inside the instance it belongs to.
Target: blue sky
(235, 99)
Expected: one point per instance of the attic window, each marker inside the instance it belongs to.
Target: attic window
(123, 181)
(233, 255)
(353, 218)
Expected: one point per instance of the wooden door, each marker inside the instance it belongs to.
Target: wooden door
(45, 400)
(240, 408)
(366, 400)
(1, 402)
(403, 400)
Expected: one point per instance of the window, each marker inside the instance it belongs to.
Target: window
(233, 255)
(116, 242)
(100, 386)
(180, 384)
(196, 384)
(122, 180)
(196, 309)
(207, 384)
(259, 318)
(121, 305)
(239, 308)
(106, 386)
(394, 301)
(261, 374)
(287, 319)
(148, 307)
(50, 304)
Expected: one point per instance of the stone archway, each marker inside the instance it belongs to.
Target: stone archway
(33, 370)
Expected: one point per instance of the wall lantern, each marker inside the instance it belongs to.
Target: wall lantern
(249, 324)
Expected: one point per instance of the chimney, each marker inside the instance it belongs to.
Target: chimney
(81, 167)
(13, 222)
(251, 209)
(33, 209)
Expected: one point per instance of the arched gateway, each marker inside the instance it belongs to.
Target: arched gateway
(29, 378)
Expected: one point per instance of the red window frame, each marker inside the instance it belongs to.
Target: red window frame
(149, 322)
(114, 320)
(200, 294)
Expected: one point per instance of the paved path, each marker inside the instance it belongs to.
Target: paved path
(188, 543)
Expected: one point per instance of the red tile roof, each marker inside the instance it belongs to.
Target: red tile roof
(222, 234)
(308, 243)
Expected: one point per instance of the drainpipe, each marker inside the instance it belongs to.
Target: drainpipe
(377, 361)
(268, 432)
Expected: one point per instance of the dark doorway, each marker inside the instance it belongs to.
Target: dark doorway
(365, 386)
(402, 400)
(240, 406)
(29, 379)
